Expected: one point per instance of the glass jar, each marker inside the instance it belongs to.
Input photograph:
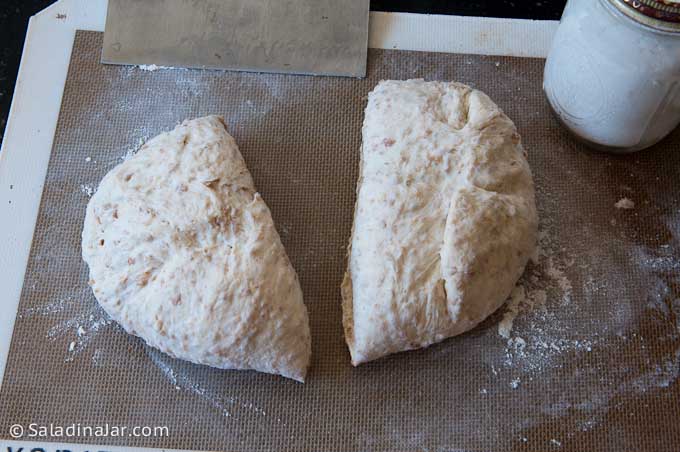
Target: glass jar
(613, 74)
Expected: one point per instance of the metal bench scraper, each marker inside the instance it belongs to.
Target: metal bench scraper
(320, 37)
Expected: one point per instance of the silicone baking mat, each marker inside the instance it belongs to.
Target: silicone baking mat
(590, 364)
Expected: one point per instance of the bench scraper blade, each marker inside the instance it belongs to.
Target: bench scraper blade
(321, 37)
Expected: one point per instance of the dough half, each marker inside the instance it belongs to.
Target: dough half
(183, 253)
(445, 218)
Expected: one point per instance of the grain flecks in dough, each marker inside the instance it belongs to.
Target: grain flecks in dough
(183, 253)
(445, 218)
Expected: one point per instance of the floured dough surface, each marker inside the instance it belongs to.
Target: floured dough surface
(183, 253)
(445, 218)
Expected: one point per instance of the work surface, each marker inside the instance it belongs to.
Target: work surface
(593, 368)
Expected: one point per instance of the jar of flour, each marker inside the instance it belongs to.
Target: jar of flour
(613, 74)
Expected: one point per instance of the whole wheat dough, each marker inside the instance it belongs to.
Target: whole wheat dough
(184, 254)
(445, 218)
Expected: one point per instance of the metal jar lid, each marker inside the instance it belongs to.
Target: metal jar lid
(661, 15)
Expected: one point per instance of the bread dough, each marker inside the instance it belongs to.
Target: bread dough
(183, 253)
(445, 218)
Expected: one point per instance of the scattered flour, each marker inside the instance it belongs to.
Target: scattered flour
(130, 152)
(54, 307)
(624, 203)
(79, 328)
(547, 327)
(180, 378)
(517, 343)
(543, 277)
(151, 67)
(87, 190)
(556, 273)
(661, 375)
(520, 301)
(97, 357)
(82, 328)
(539, 300)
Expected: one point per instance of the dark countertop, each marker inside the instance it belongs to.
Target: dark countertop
(14, 16)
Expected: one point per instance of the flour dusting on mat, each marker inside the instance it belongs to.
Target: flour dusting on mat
(182, 380)
(81, 329)
(624, 203)
(131, 151)
(53, 307)
(599, 361)
(74, 326)
(543, 280)
(551, 321)
(150, 67)
(87, 190)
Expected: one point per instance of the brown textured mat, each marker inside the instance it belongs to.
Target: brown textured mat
(595, 369)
